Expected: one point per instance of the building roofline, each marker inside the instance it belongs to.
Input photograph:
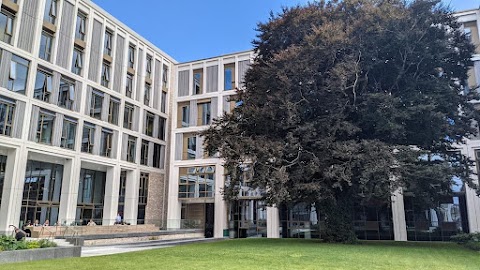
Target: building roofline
(215, 57)
(461, 12)
(130, 30)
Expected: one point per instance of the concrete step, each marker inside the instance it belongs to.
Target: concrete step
(62, 243)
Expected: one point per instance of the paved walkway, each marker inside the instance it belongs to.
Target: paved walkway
(90, 251)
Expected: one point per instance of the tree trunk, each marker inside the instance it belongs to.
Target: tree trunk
(339, 220)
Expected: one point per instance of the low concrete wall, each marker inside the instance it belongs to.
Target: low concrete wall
(39, 254)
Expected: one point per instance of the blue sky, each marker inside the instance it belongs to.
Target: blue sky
(192, 29)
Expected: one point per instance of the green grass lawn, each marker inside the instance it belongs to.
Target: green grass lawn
(249, 254)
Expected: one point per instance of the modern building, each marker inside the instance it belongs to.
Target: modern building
(96, 121)
(84, 121)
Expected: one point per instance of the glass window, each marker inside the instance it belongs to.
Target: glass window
(88, 137)
(144, 153)
(165, 76)
(128, 116)
(50, 14)
(131, 56)
(158, 160)
(43, 86)
(129, 86)
(45, 127)
(185, 110)
(17, 79)
(96, 104)
(46, 43)
(41, 192)
(142, 198)
(161, 128)
(69, 133)
(77, 61)
(131, 148)
(122, 192)
(149, 66)
(66, 93)
(468, 33)
(146, 94)
(204, 113)
(7, 112)
(197, 81)
(3, 166)
(91, 194)
(229, 77)
(81, 27)
(196, 182)
(163, 105)
(107, 43)
(105, 74)
(6, 26)
(191, 147)
(149, 120)
(113, 110)
(106, 143)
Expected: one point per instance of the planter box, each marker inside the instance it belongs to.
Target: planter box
(39, 254)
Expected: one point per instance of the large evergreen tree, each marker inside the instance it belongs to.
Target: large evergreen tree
(346, 102)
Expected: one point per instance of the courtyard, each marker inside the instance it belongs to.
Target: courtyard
(279, 254)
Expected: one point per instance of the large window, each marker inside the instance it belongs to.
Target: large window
(142, 198)
(229, 76)
(204, 113)
(131, 148)
(66, 93)
(197, 81)
(3, 166)
(161, 128)
(149, 120)
(165, 76)
(81, 26)
(190, 147)
(106, 143)
(7, 112)
(41, 192)
(43, 86)
(148, 68)
(159, 156)
(105, 81)
(46, 43)
(128, 116)
(196, 182)
(131, 56)
(69, 133)
(107, 43)
(88, 137)
(96, 105)
(91, 193)
(46, 120)
(146, 94)
(113, 110)
(144, 153)
(6, 26)
(18, 74)
(50, 14)
(129, 86)
(122, 192)
(183, 115)
(77, 61)
(163, 105)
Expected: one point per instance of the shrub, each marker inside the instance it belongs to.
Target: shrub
(468, 240)
(33, 244)
(44, 243)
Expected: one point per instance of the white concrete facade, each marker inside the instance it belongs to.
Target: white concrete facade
(21, 149)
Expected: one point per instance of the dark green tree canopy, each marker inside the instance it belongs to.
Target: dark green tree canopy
(349, 100)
